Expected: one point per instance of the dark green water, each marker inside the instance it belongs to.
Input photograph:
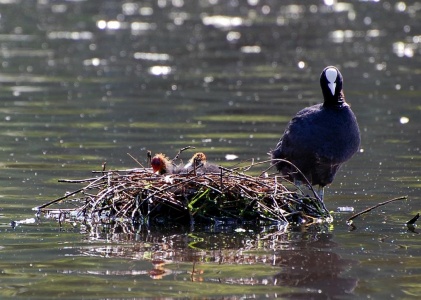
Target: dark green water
(83, 82)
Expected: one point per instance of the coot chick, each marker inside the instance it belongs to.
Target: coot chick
(320, 138)
(200, 164)
(161, 164)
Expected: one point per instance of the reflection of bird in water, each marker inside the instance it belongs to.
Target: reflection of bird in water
(161, 164)
(199, 163)
(315, 270)
(320, 138)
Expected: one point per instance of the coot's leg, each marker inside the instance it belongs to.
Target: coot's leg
(321, 192)
(299, 185)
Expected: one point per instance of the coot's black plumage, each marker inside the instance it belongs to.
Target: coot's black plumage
(321, 137)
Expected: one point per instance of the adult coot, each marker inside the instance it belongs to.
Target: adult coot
(320, 138)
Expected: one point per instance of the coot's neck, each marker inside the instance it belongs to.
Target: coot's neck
(335, 101)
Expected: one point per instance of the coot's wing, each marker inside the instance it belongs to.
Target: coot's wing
(294, 144)
(298, 132)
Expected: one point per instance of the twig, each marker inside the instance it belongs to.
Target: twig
(70, 194)
(77, 181)
(413, 220)
(149, 156)
(302, 175)
(181, 150)
(250, 166)
(349, 221)
(135, 160)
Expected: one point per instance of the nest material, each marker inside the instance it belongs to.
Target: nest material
(142, 197)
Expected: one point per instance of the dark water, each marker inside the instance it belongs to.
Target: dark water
(83, 82)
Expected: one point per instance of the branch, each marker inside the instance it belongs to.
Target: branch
(349, 221)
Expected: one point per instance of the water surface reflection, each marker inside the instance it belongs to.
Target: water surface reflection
(276, 257)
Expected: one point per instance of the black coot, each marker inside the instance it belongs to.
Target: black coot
(321, 137)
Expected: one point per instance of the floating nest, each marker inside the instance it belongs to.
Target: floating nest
(140, 196)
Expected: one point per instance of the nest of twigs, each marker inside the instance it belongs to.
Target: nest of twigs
(230, 196)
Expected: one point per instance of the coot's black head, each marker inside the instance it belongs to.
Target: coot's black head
(331, 83)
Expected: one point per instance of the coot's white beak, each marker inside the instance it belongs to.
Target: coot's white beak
(331, 75)
(332, 87)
